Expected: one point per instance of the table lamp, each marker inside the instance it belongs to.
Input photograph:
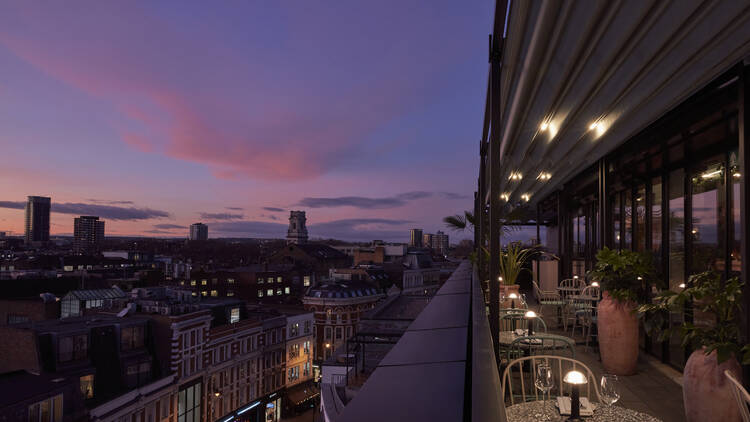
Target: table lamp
(575, 379)
(512, 298)
(530, 315)
(595, 284)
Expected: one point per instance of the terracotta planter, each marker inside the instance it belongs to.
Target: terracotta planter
(617, 325)
(706, 392)
(507, 289)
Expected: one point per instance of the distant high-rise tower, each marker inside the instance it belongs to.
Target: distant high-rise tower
(440, 243)
(88, 235)
(415, 238)
(427, 240)
(37, 219)
(297, 232)
(198, 231)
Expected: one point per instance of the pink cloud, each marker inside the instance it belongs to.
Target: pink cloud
(138, 142)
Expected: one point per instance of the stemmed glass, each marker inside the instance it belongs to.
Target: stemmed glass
(610, 389)
(523, 300)
(544, 381)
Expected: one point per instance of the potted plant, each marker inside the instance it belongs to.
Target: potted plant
(715, 339)
(512, 264)
(626, 278)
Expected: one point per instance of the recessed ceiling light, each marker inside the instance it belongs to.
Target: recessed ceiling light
(544, 126)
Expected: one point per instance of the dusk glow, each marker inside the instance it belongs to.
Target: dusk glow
(154, 116)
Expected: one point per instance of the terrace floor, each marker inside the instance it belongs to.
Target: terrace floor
(655, 389)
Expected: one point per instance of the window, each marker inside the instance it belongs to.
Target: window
(260, 280)
(73, 348)
(260, 293)
(137, 374)
(204, 282)
(286, 290)
(328, 333)
(294, 330)
(230, 294)
(192, 282)
(234, 315)
(50, 410)
(131, 337)
(189, 404)
(87, 386)
(294, 373)
(306, 370)
(306, 280)
(204, 293)
(269, 292)
(293, 351)
(182, 283)
(306, 347)
(278, 291)
(231, 281)
(339, 333)
(278, 279)
(270, 280)
(214, 293)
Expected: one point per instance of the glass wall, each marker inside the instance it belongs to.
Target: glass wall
(640, 219)
(656, 220)
(628, 225)
(735, 259)
(708, 222)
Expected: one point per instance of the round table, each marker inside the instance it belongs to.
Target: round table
(547, 411)
(507, 337)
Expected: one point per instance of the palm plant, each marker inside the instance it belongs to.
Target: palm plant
(513, 261)
(460, 222)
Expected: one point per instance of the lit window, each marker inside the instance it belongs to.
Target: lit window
(214, 293)
(230, 294)
(286, 290)
(278, 279)
(260, 280)
(204, 293)
(260, 293)
(87, 386)
(204, 282)
(278, 291)
(234, 315)
(195, 294)
(230, 280)
(306, 281)
(270, 279)
(50, 410)
(269, 292)
(192, 282)
(182, 283)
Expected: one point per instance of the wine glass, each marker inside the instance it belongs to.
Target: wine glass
(544, 381)
(610, 389)
(523, 300)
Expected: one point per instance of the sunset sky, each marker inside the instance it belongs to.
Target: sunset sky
(155, 115)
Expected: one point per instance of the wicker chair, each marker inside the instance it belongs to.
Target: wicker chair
(517, 373)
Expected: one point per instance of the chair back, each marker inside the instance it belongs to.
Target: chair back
(591, 291)
(741, 396)
(541, 344)
(519, 375)
(515, 320)
(570, 286)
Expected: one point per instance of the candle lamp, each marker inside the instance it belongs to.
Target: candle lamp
(530, 316)
(513, 298)
(595, 284)
(575, 379)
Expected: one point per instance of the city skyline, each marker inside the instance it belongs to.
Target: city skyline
(222, 123)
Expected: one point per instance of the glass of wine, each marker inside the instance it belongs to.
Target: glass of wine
(544, 381)
(610, 389)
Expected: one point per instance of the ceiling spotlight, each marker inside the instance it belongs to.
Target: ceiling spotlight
(544, 126)
(526, 197)
(593, 126)
(504, 196)
(515, 176)
(543, 176)
(736, 175)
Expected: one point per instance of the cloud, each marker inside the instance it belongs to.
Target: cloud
(235, 208)
(273, 209)
(168, 226)
(109, 212)
(156, 231)
(345, 229)
(220, 216)
(104, 201)
(363, 202)
(452, 195)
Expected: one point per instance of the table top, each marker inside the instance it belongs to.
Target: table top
(547, 411)
(507, 337)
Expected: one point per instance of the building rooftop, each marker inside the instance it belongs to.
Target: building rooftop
(18, 386)
(348, 289)
(113, 293)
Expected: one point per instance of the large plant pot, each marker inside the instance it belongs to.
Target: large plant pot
(706, 392)
(617, 326)
(506, 290)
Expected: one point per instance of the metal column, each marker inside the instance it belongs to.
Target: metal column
(744, 141)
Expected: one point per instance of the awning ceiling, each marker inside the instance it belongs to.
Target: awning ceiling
(581, 77)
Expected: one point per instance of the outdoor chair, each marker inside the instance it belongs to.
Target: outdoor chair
(517, 320)
(548, 298)
(540, 344)
(519, 375)
(741, 396)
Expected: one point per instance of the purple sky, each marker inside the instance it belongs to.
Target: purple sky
(155, 115)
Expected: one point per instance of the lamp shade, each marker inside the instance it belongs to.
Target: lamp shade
(513, 296)
(595, 284)
(575, 377)
(530, 314)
